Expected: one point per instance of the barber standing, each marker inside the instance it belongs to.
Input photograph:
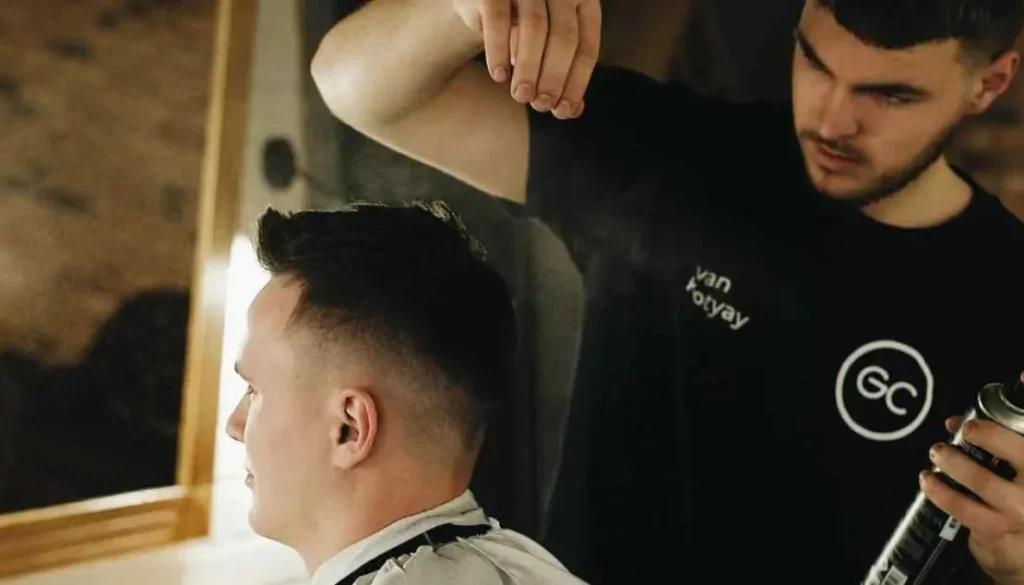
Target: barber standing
(830, 287)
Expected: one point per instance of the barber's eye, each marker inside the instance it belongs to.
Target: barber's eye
(894, 99)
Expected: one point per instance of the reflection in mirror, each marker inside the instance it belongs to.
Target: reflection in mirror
(103, 115)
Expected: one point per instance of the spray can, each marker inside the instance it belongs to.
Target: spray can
(925, 531)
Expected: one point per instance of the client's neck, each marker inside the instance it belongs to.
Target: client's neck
(373, 501)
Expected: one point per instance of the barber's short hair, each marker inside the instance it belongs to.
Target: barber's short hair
(411, 283)
(986, 28)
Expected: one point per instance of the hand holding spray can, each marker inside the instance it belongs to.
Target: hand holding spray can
(925, 531)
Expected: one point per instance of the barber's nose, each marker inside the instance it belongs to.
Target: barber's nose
(838, 119)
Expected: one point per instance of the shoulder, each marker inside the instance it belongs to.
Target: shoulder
(1012, 220)
(989, 252)
(634, 125)
(623, 100)
(998, 225)
(496, 558)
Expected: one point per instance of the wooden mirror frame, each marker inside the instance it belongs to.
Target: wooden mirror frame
(44, 538)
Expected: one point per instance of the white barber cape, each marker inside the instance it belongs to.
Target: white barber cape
(499, 557)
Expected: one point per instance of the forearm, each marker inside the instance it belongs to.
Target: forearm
(391, 56)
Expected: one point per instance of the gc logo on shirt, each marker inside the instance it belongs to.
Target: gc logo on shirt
(884, 390)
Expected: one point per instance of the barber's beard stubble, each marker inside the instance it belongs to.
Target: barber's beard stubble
(891, 182)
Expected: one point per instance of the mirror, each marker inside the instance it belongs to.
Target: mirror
(118, 199)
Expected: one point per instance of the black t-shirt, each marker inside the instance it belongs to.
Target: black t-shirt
(727, 423)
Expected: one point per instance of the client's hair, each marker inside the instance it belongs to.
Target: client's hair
(409, 284)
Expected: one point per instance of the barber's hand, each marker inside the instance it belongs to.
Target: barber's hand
(547, 48)
(996, 526)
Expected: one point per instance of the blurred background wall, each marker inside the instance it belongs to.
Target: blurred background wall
(102, 108)
(102, 113)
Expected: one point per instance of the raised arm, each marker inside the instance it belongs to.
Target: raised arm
(627, 176)
(402, 72)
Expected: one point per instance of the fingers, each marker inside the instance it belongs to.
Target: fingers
(1003, 443)
(977, 517)
(513, 43)
(952, 424)
(551, 46)
(563, 35)
(1005, 500)
(532, 33)
(587, 50)
(496, 16)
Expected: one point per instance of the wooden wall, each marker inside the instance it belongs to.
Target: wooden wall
(102, 107)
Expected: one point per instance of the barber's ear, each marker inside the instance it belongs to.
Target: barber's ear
(993, 82)
(355, 428)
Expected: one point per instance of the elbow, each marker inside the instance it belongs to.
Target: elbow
(324, 61)
(318, 66)
(338, 82)
(327, 78)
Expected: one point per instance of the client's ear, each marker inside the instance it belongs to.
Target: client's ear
(355, 428)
